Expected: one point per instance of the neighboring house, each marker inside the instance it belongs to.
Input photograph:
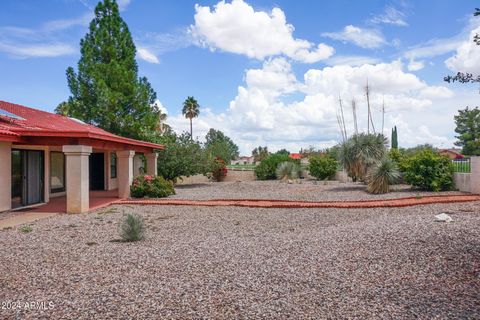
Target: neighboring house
(45, 155)
(298, 156)
(452, 153)
(243, 160)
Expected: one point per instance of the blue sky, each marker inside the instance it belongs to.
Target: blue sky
(256, 67)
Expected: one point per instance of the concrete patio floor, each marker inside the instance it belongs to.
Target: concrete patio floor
(58, 205)
(98, 199)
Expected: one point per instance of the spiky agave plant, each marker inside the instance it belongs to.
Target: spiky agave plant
(132, 228)
(360, 152)
(384, 173)
(287, 170)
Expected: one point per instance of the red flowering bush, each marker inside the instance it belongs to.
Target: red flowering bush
(218, 170)
(151, 187)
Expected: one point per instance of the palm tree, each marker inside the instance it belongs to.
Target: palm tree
(161, 125)
(191, 109)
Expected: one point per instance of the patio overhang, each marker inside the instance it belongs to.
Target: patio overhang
(102, 143)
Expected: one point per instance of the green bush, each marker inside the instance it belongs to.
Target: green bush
(288, 170)
(322, 167)
(427, 170)
(266, 170)
(132, 228)
(151, 187)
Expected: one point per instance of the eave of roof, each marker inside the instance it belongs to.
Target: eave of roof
(38, 123)
(90, 135)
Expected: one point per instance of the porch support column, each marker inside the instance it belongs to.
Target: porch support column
(152, 163)
(6, 174)
(475, 175)
(125, 172)
(77, 176)
(137, 164)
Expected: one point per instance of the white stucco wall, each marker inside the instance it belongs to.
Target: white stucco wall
(462, 181)
(6, 176)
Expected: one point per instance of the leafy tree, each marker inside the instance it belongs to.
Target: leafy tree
(182, 156)
(283, 151)
(217, 144)
(310, 151)
(260, 153)
(394, 138)
(106, 90)
(417, 149)
(191, 109)
(468, 128)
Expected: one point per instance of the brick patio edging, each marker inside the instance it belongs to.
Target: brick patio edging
(266, 203)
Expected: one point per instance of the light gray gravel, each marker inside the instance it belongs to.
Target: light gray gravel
(230, 262)
(306, 190)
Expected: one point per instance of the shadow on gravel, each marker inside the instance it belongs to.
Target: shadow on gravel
(193, 186)
(350, 188)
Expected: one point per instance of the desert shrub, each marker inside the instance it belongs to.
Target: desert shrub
(384, 173)
(26, 228)
(322, 167)
(266, 170)
(288, 170)
(428, 170)
(132, 228)
(218, 169)
(151, 187)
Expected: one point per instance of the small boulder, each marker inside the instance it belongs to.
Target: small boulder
(443, 217)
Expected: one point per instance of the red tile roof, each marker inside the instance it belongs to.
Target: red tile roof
(45, 124)
(295, 156)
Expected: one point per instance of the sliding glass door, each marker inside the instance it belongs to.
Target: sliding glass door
(27, 177)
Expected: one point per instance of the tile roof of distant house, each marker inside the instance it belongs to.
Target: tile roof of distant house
(295, 156)
(37, 123)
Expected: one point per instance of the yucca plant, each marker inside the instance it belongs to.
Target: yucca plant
(132, 228)
(384, 173)
(288, 170)
(361, 152)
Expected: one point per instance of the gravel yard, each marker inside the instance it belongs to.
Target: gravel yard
(230, 262)
(307, 190)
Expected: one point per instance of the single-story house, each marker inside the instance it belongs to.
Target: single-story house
(452, 153)
(45, 155)
(243, 160)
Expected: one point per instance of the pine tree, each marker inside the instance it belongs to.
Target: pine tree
(394, 138)
(106, 91)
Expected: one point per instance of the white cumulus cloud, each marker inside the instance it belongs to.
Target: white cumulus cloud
(467, 56)
(275, 108)
(236, 27)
